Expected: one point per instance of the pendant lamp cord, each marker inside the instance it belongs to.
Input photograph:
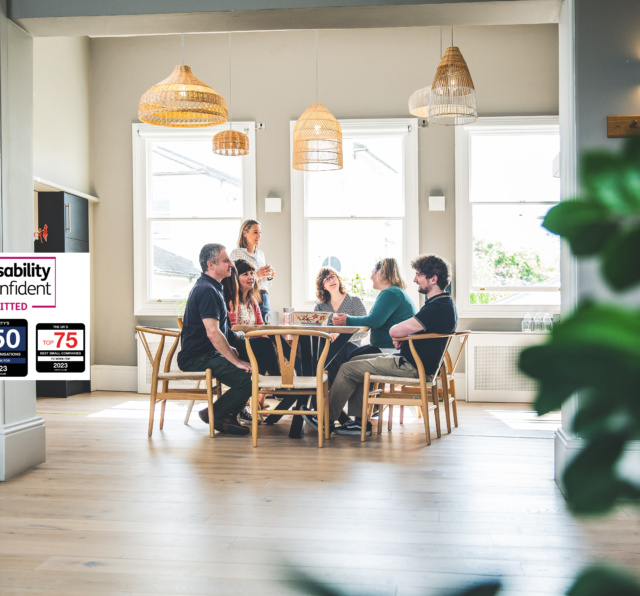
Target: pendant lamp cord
(451, 35)
(317, 66)
(440, 41)
(183, 49)
(229, 80)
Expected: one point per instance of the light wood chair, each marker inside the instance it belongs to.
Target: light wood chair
(287, 383)
(405, 391)
(451, 381)
(166, 377)
(451, 367)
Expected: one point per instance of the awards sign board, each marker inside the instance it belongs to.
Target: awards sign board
(44, 316)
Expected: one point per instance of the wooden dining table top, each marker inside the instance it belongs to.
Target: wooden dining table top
(349, 329)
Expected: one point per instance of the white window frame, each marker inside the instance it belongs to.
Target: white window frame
(142, 135)
(464, 285)
(411, 242)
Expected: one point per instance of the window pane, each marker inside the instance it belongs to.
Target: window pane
(176, 249)
(188, 180)
(514, 168)
(371, 184)
(351, 247)
(511, 248)
(525, 299)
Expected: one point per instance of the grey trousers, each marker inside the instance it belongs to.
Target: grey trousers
(349, 385)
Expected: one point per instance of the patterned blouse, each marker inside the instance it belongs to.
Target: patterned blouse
(351, 306)
(256, 259)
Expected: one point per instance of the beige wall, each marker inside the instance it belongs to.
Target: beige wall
(61, 118)
(363, 74)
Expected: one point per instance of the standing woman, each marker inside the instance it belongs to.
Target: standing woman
(248, 250)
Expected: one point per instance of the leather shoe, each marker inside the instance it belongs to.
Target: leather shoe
(230, 425)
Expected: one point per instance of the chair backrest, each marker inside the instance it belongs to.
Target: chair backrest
(416, 357)
(287, 368)
(451, 366)
(179, 321)
(155, 361)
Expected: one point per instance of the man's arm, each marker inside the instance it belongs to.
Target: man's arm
(409, 327)
(221, 344)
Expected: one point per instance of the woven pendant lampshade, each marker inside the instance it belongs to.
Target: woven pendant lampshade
(182, 100)
(231, 142)
(419, 102)
(453, 96)
(317, 140)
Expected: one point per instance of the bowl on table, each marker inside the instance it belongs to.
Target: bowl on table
(310, 318)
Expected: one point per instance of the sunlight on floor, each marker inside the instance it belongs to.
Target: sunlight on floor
(528, 420)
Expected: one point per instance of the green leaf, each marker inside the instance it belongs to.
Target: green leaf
(603, 581)
(587, 227)
(619, 265)
(610, 180)
(592, 418)
(590, 478)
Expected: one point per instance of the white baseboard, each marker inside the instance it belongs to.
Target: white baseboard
(22, 447)
(114, 378)
(567, 447)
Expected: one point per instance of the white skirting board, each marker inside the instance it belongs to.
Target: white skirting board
(22, 446)
(114, 378)
(567, 447)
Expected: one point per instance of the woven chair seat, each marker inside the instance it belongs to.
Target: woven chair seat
(273, 382)
(182, 376)
(396, 380)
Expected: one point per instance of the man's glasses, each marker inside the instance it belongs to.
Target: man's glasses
(330, 278)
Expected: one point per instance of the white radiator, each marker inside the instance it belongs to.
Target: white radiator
(492, 367)
(144, 366)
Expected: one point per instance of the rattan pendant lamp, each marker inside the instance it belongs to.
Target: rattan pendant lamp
(183, 101)
(317, 137)
(230, 142)
(453, 97)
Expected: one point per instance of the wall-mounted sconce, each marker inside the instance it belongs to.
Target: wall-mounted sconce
(436, 203)
(272, 205)
(623, 127)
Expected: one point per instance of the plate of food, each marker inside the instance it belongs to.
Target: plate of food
(310, 318)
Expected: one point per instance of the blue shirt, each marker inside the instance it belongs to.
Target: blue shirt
(206, 301)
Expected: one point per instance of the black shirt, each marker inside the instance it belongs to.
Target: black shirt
(438, 315)
(206, 301)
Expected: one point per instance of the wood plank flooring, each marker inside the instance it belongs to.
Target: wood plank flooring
(114, 512)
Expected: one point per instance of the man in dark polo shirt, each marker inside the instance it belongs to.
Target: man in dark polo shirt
(208, 342)
(438, 315)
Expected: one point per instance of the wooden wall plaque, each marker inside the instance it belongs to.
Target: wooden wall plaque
(622, 127)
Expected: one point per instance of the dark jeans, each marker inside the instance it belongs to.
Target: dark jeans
(265, 353)
(239, 383)
(348, 352)
(265, 305)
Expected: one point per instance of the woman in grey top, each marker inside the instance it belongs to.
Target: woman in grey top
(333, 298)
(248, 241)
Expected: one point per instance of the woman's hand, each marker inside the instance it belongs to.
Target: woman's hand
(397, 344)
(339, 319)
(264, 271)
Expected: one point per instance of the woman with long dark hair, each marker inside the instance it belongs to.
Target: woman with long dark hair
(242, 298)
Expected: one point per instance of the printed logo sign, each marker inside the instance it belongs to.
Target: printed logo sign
(46, 301)
(27, 282)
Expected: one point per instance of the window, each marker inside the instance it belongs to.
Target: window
(184, 197)
(351, 218)
(507, 263)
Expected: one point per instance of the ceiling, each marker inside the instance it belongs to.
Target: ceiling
(58, 18)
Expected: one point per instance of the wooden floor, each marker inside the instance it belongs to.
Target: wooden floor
(114, 512)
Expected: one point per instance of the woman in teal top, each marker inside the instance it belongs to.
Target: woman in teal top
(392, 306)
